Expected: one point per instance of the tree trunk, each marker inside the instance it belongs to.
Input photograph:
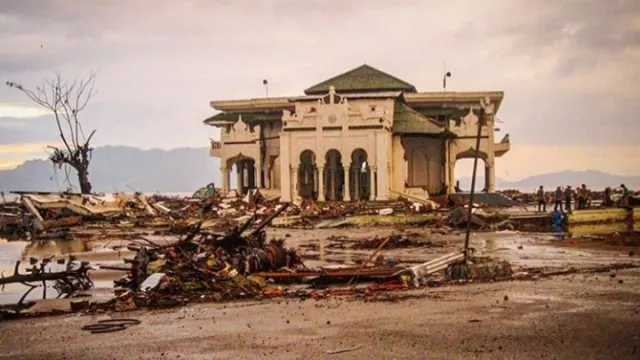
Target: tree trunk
(83, 180)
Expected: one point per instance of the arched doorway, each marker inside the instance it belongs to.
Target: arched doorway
(463, 173)
(246, 176)
(359, 176)
(333, 176)
(307, 175)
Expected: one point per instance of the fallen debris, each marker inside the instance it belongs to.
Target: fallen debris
(332, 352)
(204, 265)
(110, 325)
(73, 278)
(419, 272)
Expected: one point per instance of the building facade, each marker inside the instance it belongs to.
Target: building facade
(362, 135)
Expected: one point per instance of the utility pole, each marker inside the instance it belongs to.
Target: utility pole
(481, 122)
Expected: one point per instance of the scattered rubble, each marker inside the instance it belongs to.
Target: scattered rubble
(220, 251)
(70, 215)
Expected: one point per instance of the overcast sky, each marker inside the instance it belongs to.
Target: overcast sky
(569, 69)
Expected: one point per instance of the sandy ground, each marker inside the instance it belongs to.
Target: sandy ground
(579, 316)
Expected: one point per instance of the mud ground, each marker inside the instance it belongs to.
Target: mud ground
(581, 316)
(571, 317)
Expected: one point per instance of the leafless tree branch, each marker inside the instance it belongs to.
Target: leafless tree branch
(66, 100)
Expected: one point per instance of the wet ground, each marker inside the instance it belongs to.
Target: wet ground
(323, 247)
(594, 316)
(571, 317)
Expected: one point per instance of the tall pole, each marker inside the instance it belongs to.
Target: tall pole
(266, 87)
(473, 183)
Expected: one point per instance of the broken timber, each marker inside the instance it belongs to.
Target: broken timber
(420, 271)
(67, 281)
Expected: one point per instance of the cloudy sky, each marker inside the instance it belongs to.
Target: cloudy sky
(569, 69)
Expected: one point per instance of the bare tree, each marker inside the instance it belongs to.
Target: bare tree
(66, 100)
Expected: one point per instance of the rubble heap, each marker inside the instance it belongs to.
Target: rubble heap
(204, 265)
(68, 215)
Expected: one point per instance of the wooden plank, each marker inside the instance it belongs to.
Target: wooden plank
(38, 220)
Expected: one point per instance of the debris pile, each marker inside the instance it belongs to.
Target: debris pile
(68, 215)
(205, 266)
(480, 219)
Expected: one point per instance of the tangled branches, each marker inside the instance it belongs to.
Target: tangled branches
(66, 100)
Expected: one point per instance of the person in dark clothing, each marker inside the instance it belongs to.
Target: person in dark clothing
(557, 220)
(608, 202)
(557, 197)
(582, 197)
(542, 205)
(625, 195)
(568, 195)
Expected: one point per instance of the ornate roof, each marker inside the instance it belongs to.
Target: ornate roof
(408, 121)
(362, 79)
(248, 116)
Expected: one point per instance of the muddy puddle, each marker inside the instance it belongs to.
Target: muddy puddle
(101, 252)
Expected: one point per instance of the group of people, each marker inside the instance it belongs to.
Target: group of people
(582, 198)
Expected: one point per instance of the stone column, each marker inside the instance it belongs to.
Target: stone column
(225, 179)
(331, 171)
(445, 164)
(372, 183)
(239, 181)
(491, 177)
(382, 163)
(267, 177)
(347, 192)
(294, 182)
(285, 168)
(451, 170)
(258, 171)
(245, 176)
(356, 184)
(315, 180)
(320, 175)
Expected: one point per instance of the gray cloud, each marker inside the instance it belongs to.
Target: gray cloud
(582, 33)
(20, 131)
(566, 67)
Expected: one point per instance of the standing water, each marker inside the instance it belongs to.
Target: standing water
(93, 252)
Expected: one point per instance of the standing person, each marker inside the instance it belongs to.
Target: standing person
(557, 219)
(625, 195)
(542, 205)
(568, 194)
(558, 195)
(582, 197)
(608, 202)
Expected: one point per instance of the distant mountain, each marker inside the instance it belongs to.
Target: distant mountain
(123, 168)
(593, 179)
